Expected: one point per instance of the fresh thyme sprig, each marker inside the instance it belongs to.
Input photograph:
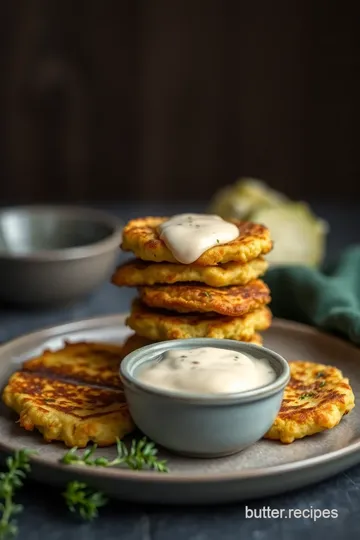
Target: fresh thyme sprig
(17, 467)
(83, 500)
(142, 454)
(79, 497)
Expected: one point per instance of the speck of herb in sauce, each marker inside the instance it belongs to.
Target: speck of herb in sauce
(206, 293)
(195, 362)
(320, 374)
(322, 384)
(218, 241)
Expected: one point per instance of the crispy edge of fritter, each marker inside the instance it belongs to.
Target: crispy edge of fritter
(46, 414)
(51, 363)
(135, 342)
(256, 339)
(137, 273)
(232, 301)
(141, 237)
(159, 325)
(326, 409)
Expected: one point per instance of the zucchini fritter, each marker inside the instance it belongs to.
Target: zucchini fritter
(193, 298)
(141, 237)
(135, 341)
(160, 325)
(73, 394)
(72, 413)
(315, 399)
(93, 363)
(137, 273)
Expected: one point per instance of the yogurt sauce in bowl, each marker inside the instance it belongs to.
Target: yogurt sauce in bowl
(204, 397)
(206, 370)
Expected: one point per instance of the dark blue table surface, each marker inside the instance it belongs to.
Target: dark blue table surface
(44, 514)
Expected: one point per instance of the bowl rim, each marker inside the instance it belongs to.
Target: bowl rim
(93, 215)
(141, 356)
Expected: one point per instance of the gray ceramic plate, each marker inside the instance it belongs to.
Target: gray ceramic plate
(266, 468)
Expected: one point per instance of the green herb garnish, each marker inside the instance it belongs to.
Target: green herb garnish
(17, 467)
(79, 497)
(322, 384)
(320, 374)
(83, 500)
(142, 454)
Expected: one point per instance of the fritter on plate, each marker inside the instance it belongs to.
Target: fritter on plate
(137, 273)
(160, 325)
(256, 339)
(189, 298)
(316, 399)
(87, 362)
(73, 413)
(142, 238)
(135, 342)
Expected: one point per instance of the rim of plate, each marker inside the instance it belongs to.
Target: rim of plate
(180, 477)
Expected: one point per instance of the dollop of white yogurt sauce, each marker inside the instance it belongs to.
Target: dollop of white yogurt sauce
(188, 236)
(206, 370)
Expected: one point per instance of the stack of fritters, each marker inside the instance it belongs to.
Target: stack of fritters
(218, 296)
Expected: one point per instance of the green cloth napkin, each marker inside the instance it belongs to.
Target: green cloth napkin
(328, 299)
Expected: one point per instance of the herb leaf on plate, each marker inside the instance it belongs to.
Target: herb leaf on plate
(142, 455)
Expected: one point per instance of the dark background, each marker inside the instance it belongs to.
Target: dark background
(165, 99)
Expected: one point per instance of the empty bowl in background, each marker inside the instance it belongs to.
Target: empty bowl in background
(52, 255)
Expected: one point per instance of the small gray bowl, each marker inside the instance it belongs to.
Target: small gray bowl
(55, 255)
(203, 425)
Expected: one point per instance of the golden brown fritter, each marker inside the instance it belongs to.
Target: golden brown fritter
(194, 298)
(161, 325)
(62, 411)
(142, 238)
(315, 399)
(88, 362)
(255, 338)
(136, 273)
(135, 341)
